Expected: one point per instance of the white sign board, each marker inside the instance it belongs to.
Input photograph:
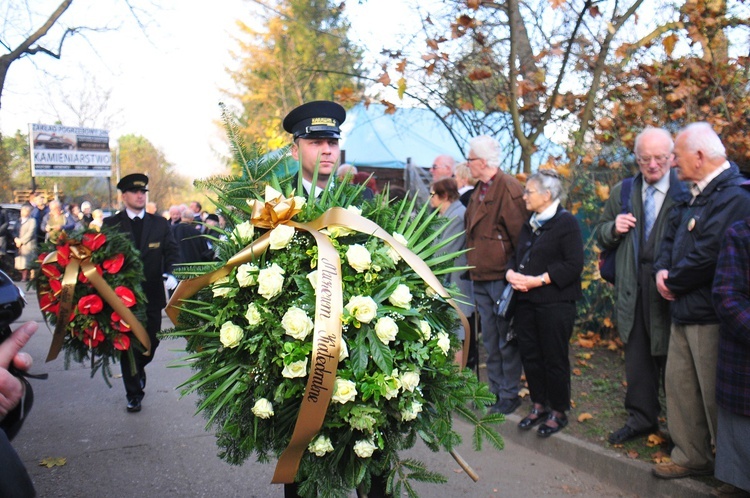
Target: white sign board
(58, 150)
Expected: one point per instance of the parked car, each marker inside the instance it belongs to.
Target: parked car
(48, 141)
(13, 212)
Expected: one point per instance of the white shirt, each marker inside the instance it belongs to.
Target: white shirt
(133, 214)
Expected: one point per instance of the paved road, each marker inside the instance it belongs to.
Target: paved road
(165, 451)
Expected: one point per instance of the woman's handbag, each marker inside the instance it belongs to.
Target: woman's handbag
(504, 306)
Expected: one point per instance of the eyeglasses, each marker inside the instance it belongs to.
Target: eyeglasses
(529, 192)
(646, 160)
(470, 159)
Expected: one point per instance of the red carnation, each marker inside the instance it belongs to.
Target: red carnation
(121, 342)
(84, 280)
(93, 241)
(126, 295)
(113, 265)
(63, 255)
(90, 305)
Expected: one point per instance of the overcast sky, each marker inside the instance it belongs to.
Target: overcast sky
(167, 87)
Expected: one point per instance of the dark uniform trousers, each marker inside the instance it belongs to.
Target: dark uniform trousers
(643, 371)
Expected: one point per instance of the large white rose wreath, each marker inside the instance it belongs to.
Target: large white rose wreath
(261, 333)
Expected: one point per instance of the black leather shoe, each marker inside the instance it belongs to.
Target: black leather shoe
(134, 406)
(506, 405)
(533, 418)
(626, 433)
(545, 430)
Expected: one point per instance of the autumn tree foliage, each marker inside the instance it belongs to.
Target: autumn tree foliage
(703, 83)
(301, 53)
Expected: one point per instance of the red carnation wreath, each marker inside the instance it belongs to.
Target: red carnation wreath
(94, 280)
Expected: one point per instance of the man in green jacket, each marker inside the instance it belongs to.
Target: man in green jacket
(643, 318)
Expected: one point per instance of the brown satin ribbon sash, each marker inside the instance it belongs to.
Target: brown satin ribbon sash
(79, 258)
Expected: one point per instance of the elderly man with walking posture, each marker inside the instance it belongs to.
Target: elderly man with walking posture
(637, 230)
(684, 273)
(494, 217)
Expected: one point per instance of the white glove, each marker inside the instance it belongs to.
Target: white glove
(169, 281)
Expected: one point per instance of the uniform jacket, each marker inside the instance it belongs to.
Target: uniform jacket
(691, 245)
(158, 249)
(557, 249)
(493, 225)
(731, 297)
(455, 216)
(627, 263)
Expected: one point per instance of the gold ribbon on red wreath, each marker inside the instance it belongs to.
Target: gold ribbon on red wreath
(278, 210)
(80, 257)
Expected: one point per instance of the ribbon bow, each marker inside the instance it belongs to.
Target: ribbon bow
(80, 257)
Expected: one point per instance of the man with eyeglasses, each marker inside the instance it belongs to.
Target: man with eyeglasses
(643, 320)
(684, 271)
(494, 217)
(442, 167)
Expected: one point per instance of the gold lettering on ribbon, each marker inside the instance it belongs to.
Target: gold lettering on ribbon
(328, 308)
(80, 258)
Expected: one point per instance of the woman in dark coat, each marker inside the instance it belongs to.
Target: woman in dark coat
(547, 284)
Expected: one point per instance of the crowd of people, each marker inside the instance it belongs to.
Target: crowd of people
(681, 229)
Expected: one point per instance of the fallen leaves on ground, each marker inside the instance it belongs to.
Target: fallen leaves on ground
(632, 454)
(577, 371)
(655, 440)
(660, 457)
(584, 417)
(53, 462)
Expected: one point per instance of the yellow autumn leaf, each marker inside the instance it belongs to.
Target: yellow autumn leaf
(577, 372)
(401, 87)
(660, 457)
(523, 392)
(668, 43)
(584, 356)
(556, 4)
(584, 417)
(602, 191)
(53, 462)
(655, 440)
(608, 323)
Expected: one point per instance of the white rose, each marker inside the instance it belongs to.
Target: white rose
(296, 323)
(320, 446)
(295, 369)
(270, 281)
(247, 275)
(401, 297)
(444, 342)
(263, 408)
(364, 448)
(409, 380)
(343, 350)
(392, 252)
(299, 202)
(425, 330)
(354, 209)
(363, 308)
(243, 232)
(252, 315)
(386, 329)
(411, 412)
(281, 236)
(344, 391)
(358, 257)
(312, 277)
(392, 385)
(230, 335)
(221, 287)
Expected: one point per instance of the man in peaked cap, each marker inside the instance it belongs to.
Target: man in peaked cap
(315, 129)
(152, 236)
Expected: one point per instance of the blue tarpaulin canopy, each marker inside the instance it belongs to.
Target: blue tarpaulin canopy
(371, 137)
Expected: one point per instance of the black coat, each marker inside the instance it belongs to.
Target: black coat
(193, 246)
(159, 253)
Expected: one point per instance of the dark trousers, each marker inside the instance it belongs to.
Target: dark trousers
(14, 480)
(644, 374)
(377, 489)
(543, 331)
(132, 379)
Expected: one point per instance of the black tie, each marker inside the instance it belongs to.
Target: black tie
(137, 223)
